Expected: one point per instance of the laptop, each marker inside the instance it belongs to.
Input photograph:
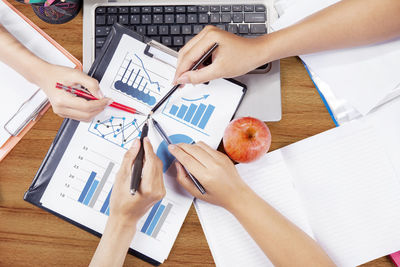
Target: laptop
(174, 23)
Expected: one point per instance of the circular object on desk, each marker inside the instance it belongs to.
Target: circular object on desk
(59, 12)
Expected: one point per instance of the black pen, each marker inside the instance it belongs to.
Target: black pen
(138, 165)
(195, 66)
(168, 141)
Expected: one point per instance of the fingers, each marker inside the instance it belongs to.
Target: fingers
(152, 184)
(198, 153)
(198, 76)
(130, 156)
(193, 165)
(185, 181)
(214, 153)
(88, 82)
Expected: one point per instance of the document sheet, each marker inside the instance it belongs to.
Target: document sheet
(81, 186)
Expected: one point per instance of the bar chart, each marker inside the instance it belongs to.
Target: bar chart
(156, 219)
(194, 115)
(94, 187)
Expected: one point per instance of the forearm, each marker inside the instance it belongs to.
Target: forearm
(114, 244)
(346, 24)
(15, 55)
(277, 236)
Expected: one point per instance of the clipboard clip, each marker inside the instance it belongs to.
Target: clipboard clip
(33, 116)
(161, 53)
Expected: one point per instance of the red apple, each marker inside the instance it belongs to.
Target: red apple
(246, 139)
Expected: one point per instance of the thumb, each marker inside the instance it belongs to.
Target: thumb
(88, 82)
(202, 75)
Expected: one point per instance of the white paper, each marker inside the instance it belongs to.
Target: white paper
(350, 192)
(15, 89)
(104, 141)
(364, 75)
(229, 242)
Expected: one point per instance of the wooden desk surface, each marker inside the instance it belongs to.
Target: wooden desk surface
(31, 236)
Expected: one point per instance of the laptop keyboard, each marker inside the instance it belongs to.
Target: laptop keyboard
(174, 26)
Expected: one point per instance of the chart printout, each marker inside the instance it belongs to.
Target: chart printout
(81, 186)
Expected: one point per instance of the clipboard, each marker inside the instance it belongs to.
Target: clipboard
(69, 126)
(17, 135)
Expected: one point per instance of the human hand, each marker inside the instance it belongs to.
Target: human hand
(234, 56)
(214, 170)
(129, 208)
(66, 104)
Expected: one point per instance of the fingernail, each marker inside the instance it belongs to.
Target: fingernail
(135, 143)
(100, 93)
(184, 79)
(109, 102)
(172, 147)
(146, 139)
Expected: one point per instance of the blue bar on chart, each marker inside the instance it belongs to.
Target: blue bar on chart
(87, 186)
(198, 114)
(108, 211)
(173, 110)
(91, 191)
(182, 111)
(106, 203)
(150, 217)
(190, 112)
(155, 220)
(206, 116)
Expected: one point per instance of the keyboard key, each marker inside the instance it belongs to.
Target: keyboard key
(232, 28)
(166, 40)
(180, 18)
(197, 28)
(188, 38)
(100, 10)
(135, 9)
(111, 19)
(123, 19)
(101, 31)
(221, 26)
(112, 10)
(146, 19)
(156, 38)
(226, 17)
(202, 9)
(169, 18)
(157, 18)
(243, 28)
(178, 40)
(260, 8)
(254, 17)
(214, 8)
(146, 9)
(238, 17)
(180, 9)
(237, 8)
(187, 29)
(163, 30)
(100, 42)
(169, 9)
(225, 8)
(135, 19)
(248, 8)
(192, 9)
(175, 29)
(100, 20)
(258, 28)
(192, 18)
(124, 10)
(141, 29)
(152, 30)
(203, 18)
(215, 18)
(157, 9)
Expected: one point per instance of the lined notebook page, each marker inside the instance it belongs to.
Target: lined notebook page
(229, 243)
(350, 191)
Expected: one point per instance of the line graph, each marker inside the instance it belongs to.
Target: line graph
(137, 81)
(118, 130)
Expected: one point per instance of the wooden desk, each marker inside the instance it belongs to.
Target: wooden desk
(30, 236)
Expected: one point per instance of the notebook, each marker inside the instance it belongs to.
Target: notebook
(22, 101)
(340, 187)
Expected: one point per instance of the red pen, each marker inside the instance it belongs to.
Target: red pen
(85, 95)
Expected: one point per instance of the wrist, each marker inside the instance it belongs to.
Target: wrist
(38, 73)
(239, 200)
(121, 225)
